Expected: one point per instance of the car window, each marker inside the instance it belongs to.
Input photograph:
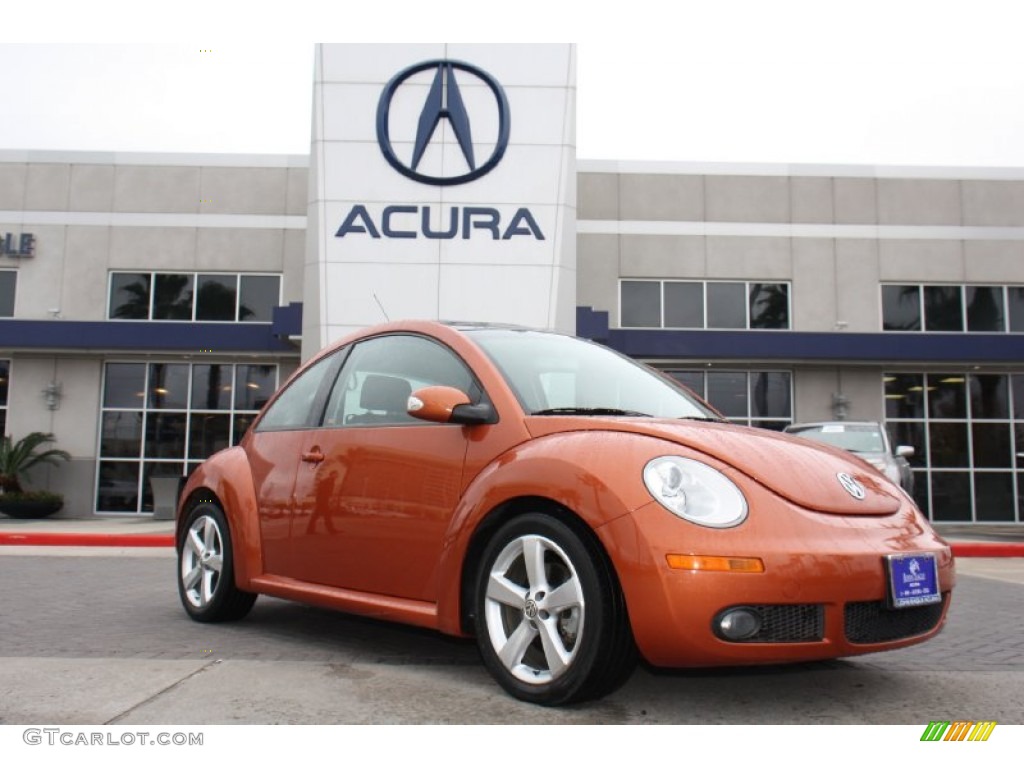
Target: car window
(292, 409)
(858, 438)
(380, 374)
(551, 373)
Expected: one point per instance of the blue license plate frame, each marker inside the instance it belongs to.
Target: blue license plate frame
(913, 580)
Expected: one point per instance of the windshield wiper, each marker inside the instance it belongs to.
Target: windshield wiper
(587, 412)
(700, 418)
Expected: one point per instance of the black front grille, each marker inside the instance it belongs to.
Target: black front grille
(874, 622)
(786, 624)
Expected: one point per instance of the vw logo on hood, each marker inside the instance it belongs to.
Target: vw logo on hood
(444, 102)
(852, 487)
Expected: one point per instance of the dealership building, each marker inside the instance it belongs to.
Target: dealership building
(151, 303)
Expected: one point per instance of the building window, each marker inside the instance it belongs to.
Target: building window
(953, 308)
(755, 398)
(966, 431)
(5, 380)
(162, 419)
(193, 296)
(8, 281)
(683, 304)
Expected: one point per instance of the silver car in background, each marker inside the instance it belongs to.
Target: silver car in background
(867, 439)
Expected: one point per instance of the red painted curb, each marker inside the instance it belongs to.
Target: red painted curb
(52, 539)
(987, 549)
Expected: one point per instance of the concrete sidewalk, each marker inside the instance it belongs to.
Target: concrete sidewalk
(966, 540)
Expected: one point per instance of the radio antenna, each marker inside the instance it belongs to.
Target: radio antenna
(382, 310)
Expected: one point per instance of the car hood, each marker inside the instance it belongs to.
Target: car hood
(802, 472)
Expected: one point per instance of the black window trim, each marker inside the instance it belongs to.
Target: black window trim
(195, 273)
(704, 283)
(482, 396)
(315, 411)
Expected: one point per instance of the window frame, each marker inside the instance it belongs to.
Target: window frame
(7, 364)
(140, 458)
(662, 282)
(925, 419)
(195, 275)
(965, 327)
(749, 419)
(14, 293)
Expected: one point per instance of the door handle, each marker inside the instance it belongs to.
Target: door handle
(314, 456)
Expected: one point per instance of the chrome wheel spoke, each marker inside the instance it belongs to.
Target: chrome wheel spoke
(210, 534)
(533, 557)
(194, 542)
(191, 578)
(511, 654)
(209, 585)
(505, 592)
(555, 654)
(564, 596)
(215, 563)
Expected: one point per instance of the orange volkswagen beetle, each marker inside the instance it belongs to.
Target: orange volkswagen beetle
(565, 505)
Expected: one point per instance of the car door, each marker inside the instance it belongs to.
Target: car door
(372, 504)
(274, 450)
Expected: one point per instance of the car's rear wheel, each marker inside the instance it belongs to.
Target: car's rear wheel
(551, 621)
(206, 569)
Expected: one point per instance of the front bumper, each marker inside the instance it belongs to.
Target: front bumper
(823, 591)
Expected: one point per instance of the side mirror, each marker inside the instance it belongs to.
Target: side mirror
(906, 451)
(447, 405)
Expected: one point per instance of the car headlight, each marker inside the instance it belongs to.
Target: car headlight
(695, 492)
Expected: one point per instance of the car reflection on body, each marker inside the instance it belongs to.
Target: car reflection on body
(565, 506)
(867, 439)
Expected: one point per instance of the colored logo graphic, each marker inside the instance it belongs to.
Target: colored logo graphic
(958, 730)
(444, 102)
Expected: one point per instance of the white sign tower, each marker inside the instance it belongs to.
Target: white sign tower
(442, 186)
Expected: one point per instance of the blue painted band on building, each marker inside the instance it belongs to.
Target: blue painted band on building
(287, 320)
(793, 346)
(149, 336)
(156, 336)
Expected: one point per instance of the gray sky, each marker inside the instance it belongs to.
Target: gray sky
(900, 82)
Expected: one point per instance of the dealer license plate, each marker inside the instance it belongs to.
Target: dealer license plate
(913, 580)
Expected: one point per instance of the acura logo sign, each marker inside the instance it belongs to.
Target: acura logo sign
(444, 102)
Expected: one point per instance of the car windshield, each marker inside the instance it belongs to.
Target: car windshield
(553, 374)
(859, 438)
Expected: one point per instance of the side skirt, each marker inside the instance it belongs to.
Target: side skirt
(397, 609)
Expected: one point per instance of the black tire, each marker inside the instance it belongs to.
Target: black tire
(206, 568)
(553, 635)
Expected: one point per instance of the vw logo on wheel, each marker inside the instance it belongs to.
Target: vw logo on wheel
(852, 487)
(444, 102)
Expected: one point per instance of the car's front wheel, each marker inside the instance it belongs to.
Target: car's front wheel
(551, 621)
(206, 569)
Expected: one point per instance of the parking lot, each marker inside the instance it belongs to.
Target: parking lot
(97, 636)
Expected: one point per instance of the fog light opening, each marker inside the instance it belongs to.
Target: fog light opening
(739, 624)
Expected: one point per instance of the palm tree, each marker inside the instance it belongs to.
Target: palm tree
(17, 458)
